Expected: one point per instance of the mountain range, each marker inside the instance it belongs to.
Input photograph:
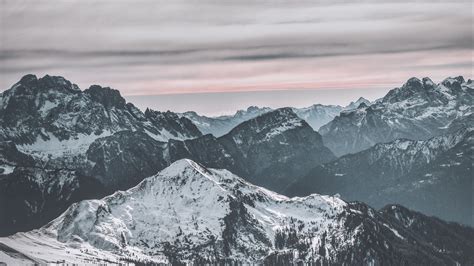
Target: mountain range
(315, 115)
(63, 150)
(52, 116)
(433, 176)
(418, 110)
(167, 219)
(270, 150)
(47, 126)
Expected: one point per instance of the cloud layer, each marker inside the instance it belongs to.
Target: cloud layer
(176, 47)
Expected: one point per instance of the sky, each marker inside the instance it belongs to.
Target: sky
(215, 57)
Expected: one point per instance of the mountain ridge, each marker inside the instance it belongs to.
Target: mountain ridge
(315, 115)
(433, 176)
(246, 225)
(52, 108)
(418, 110)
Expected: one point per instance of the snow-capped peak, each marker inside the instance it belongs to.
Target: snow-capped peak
(427, 82)
(191, 214)
(356, 104)
(417, 110)
(192, 207)
(271, 124)
(51, 113)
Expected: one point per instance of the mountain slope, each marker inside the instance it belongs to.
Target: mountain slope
(51, 116)
(47, 126)
(433, 176)
(418, 110)
(31, 193)
(270, 150)
(191, 214)
(273, 150)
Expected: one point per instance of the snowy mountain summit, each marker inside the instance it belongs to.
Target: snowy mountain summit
(418, 110)
(356, 104)
(191, 214)
(52, 116)
(269, 150)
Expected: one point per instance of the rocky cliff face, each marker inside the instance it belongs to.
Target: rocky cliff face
(47, 128)
(418, 110)
(433, 176)
(32, 193)
(60, 145)
(122, 160)
(270, 150)
(191, 214)
(37, 113)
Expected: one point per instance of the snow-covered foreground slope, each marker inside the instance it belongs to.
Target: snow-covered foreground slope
(188, 213)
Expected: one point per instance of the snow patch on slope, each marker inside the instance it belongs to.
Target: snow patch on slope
(50, 145)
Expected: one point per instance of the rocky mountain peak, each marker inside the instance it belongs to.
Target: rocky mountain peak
(282, 119)
(428, 83)
(451, 81)
(252, 108)
(57, 82)
(362, 100)
(251, 111)
(356, 104)
(150, 113)
(414, 89)
(188, 214)
(413, 82)
(420, 109)
(54, 109)
(28, 78)
(107, 96)
(281, 114)
(183, 169)
(32, 87)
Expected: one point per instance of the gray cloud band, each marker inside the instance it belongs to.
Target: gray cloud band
(84, 37)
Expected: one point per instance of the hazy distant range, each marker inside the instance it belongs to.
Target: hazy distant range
(229, 102)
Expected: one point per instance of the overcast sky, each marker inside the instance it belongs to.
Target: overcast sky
(217, 56)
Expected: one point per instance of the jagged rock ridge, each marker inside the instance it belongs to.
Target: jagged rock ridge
(47, 126)
(51, 116)
(418, 110)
